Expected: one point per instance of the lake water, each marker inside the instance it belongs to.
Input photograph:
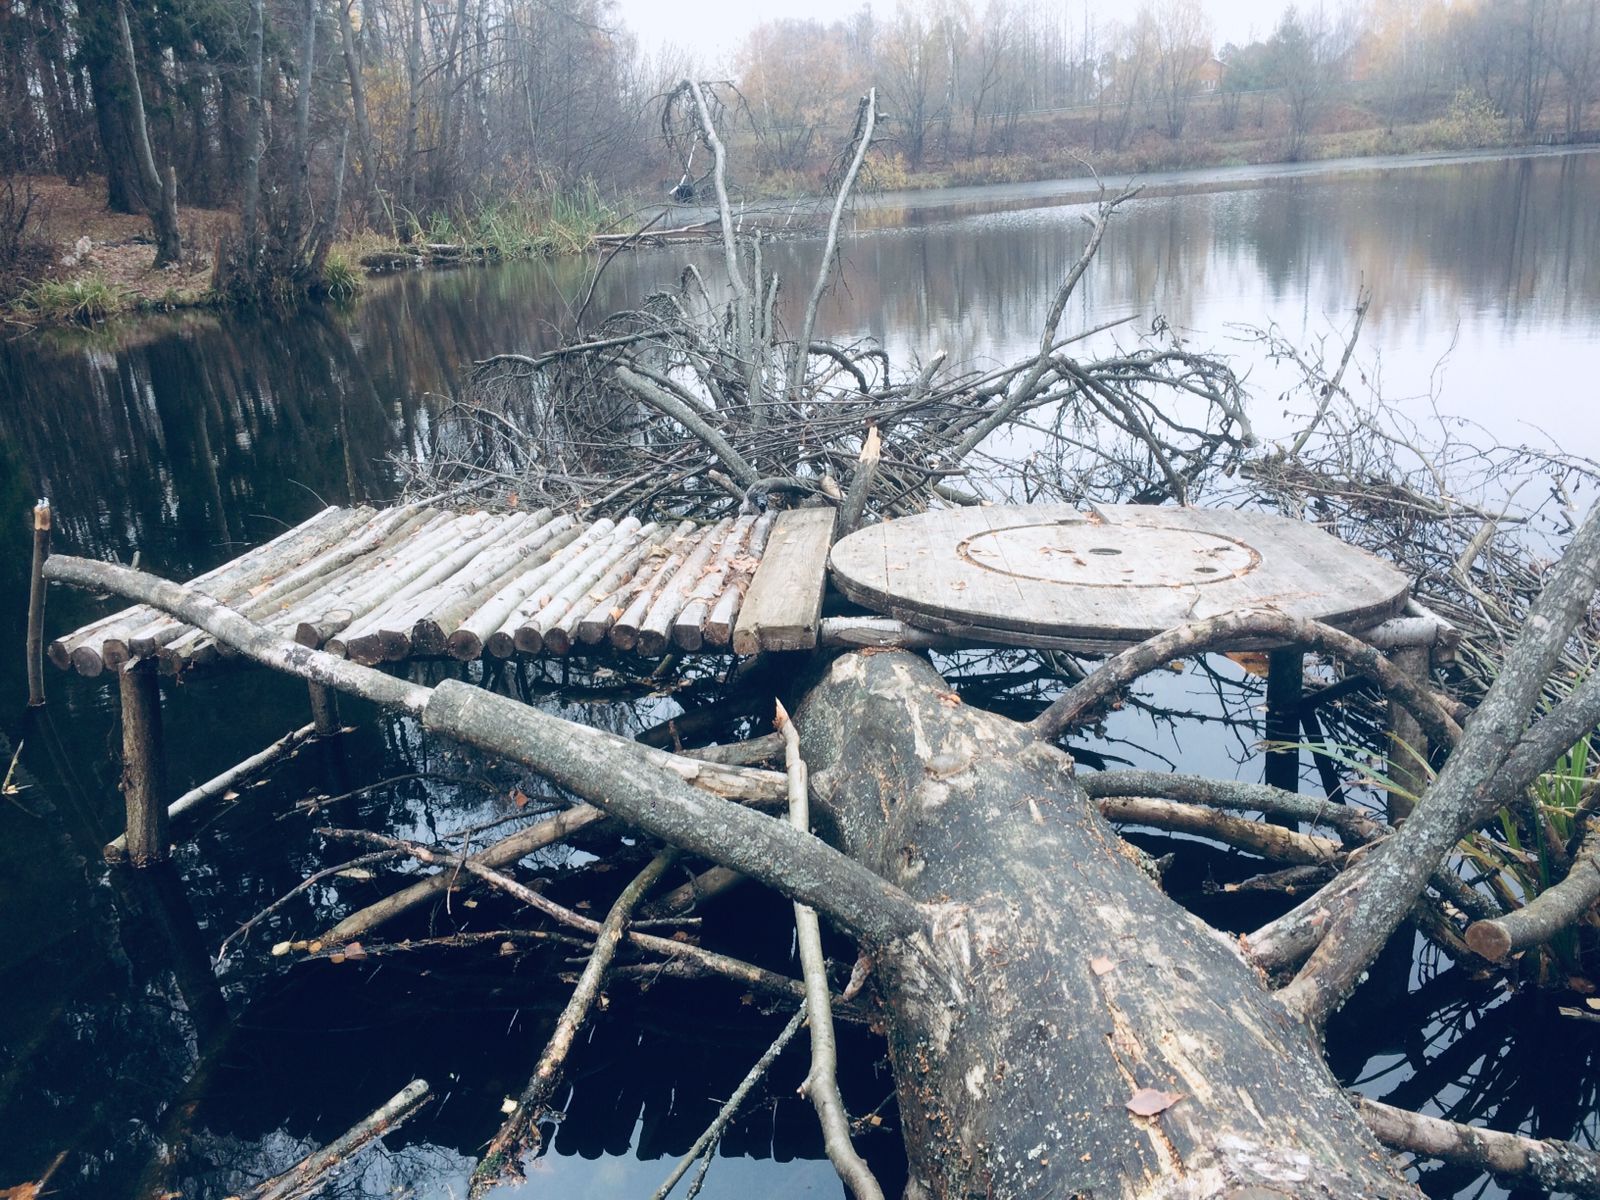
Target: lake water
(189, 439)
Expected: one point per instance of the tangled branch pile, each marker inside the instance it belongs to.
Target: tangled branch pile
(699, 402)
(1477, 525)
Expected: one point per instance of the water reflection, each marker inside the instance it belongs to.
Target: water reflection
(187, 439)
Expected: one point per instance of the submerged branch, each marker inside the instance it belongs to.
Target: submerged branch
(307, 1175)
(730, 1108)
(503, 1159)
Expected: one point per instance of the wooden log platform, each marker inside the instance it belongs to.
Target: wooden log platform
(387, 585)
(417, 581)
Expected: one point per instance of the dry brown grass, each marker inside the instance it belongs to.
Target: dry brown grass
(121, 251)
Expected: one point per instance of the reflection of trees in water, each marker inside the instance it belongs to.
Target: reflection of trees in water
(1452, 1048)
(117, 1039)
(187, 440)
(1514, 238)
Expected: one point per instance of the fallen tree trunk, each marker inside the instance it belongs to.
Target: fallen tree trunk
(1056, 993)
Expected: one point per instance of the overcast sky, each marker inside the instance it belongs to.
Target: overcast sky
(715, 27)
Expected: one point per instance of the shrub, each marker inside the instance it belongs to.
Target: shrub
(1472, 120)
(25, 251)
(888, 172)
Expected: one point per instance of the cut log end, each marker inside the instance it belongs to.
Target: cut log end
(367, 650)
(427, 638)
(464, 646)
(1489, 939)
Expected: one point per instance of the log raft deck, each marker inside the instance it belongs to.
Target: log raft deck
(395, 584)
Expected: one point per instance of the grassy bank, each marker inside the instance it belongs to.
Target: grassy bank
(1065, 146)
(81, 264)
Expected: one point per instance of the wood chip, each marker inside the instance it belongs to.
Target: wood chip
(1147, 1102)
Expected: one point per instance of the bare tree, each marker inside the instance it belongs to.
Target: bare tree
(1575, 53)
(794, 75)
(909, 56)
(1308, 54)
(991, 51)
(1180, 46)
(1125, 79)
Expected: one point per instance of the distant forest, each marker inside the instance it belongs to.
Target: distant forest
(313, 118)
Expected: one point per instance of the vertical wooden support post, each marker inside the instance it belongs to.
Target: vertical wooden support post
(1408, 745)
(41, 551)
(143, 768)
(1285, 678)
(324, 710)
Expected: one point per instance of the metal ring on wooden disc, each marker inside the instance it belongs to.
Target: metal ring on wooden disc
(1082, 554)
(1049, 574)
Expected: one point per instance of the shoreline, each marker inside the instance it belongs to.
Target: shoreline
(1082, 189)
(137, 293)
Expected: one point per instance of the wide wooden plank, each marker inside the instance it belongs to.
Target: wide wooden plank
(784, 602)
(1054, 575)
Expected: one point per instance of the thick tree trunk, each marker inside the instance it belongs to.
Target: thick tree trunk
(299, 235)
(408, 157)
(161, 191)
(371, 205)
(100, 52)
(249, 218)
(1056, 980)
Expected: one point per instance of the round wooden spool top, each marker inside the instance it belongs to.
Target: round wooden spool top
(1051, 575)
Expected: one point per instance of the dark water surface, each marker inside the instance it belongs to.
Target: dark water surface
(188, 440)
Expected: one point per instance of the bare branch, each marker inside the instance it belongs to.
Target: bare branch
(822, 1081)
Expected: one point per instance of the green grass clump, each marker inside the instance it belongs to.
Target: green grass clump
(551, 220)
(574, 216)
(341, 279)
(84, 300)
